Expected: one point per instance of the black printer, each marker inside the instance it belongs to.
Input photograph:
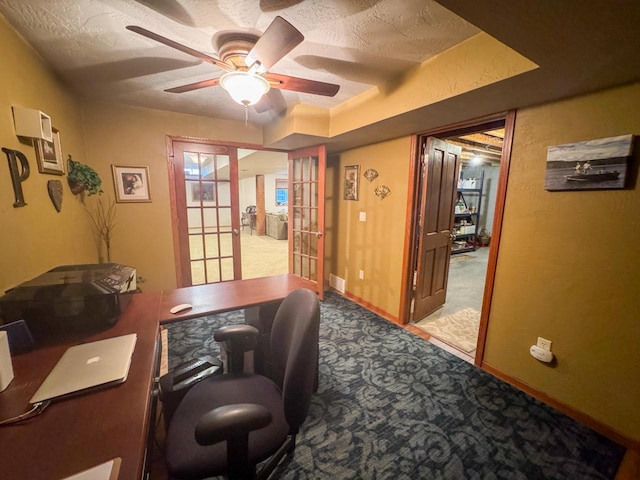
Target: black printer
(69, 300)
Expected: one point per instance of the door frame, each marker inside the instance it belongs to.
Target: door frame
(410, 245)
(169, 139)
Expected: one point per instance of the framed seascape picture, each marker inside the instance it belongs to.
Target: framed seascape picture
(49, 154)
(131, 184)
(600, 164)
(351, 182)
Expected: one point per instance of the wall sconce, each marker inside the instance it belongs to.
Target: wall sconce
(32, 123)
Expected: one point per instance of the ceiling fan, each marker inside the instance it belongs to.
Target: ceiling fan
(246, 59)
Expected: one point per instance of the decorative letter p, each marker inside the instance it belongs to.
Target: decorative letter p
(16, 177)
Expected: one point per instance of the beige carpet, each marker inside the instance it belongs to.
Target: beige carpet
(460, 329)
(261, 256)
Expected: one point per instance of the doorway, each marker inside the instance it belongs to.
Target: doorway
(239, 211)
(459, 325)
(263, 198)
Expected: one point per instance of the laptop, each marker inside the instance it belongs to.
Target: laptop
(82, 367)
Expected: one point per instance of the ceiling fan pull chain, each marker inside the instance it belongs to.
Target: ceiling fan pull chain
(246, 114)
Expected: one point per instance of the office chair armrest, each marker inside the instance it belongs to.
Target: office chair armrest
(232, 423)
(237, 340)
(242, 334)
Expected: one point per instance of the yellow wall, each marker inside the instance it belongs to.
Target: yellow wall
(569, 269)
(129, 136)
(375, 245)
(36, 238)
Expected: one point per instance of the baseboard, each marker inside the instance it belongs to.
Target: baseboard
(368, 306)
(568, 410)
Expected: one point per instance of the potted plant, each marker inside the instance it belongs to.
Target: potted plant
(82, 177)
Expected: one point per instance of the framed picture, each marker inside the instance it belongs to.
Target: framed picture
(351, 182)
(202, 192)
(49, 154)
(600, 164)
(131, 184)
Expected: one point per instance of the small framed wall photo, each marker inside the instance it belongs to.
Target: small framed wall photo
(351, 177)
(131, 184)
(49, 154)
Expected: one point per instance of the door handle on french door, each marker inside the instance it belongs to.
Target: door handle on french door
(318, 234)
(236, 232)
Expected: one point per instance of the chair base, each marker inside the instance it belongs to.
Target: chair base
(287, 448)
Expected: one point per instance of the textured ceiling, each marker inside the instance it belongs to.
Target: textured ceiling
(357, 44)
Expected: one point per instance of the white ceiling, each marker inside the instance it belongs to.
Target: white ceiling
(357, 44)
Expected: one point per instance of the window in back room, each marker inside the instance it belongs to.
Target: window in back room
(282, 192)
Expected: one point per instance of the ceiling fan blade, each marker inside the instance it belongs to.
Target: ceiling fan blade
(277, 40)
(285, 82)
(273, 101)
(194, 86)
(178, 46)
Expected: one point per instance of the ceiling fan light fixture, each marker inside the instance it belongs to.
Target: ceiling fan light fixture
(245, 88)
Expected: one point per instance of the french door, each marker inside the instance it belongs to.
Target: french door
(205, 213)
(306, 215)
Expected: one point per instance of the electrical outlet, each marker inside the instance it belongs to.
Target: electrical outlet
(361, 275)
(363, 216)
(544, 344)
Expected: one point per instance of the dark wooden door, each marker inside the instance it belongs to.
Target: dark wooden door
(438, 197)
(206, 216)
(306, 215)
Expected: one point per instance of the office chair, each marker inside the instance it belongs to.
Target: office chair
(227, 424)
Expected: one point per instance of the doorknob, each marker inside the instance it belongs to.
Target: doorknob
(318, 234)
(236, 232)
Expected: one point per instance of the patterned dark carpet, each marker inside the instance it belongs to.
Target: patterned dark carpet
(392, 406)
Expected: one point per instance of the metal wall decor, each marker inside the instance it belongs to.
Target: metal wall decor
(371, 174)
(54, 187)
(382, 192)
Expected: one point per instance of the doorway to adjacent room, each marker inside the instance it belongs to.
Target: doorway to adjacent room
(455, 324)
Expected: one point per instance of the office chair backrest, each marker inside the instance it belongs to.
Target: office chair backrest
(294, 347)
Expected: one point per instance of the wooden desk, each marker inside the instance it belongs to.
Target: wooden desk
(227, 296)
(80, 432)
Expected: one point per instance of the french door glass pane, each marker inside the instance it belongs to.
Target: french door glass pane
(197, 272)
(226, 245)
(227, 268)
(224, 194)
(207, 166)
(212, 249)
(213, 271)
(196, 251)
(210, 216)
(313, 274)
(223, 172)
(194, 220)
(313, 245)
